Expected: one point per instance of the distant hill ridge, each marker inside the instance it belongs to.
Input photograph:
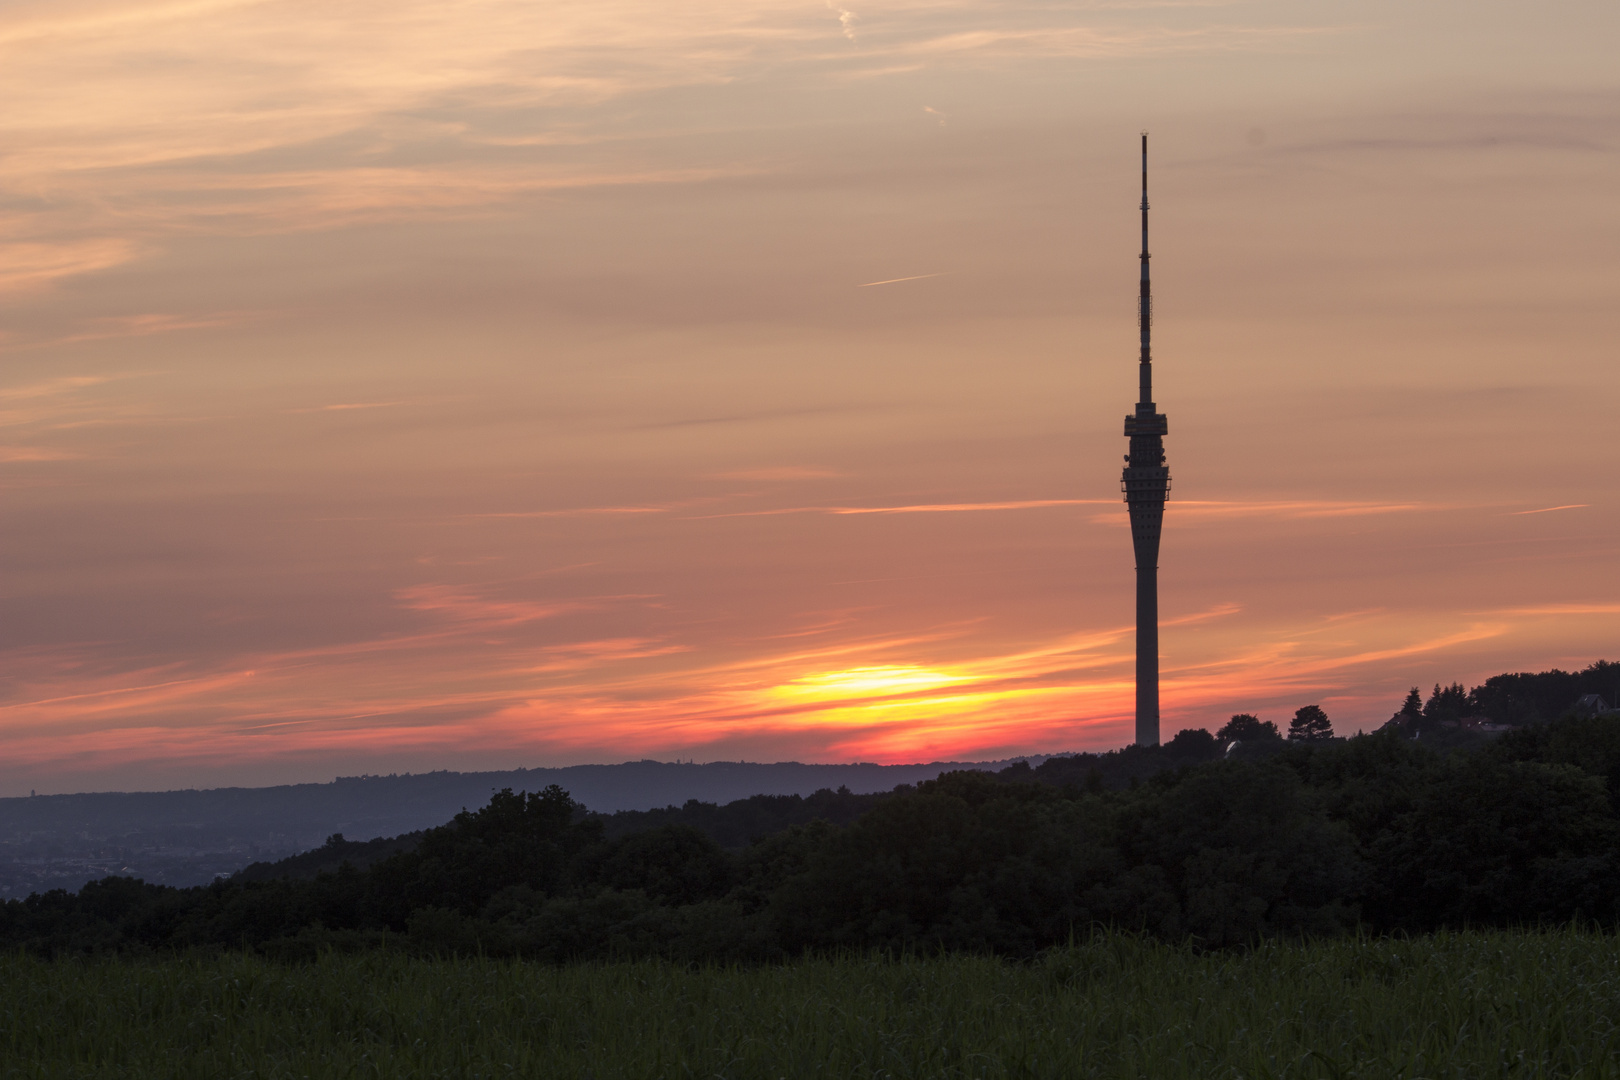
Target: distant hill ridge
(607, 788)
(1206, 840)
(191, 837)
(188, 837)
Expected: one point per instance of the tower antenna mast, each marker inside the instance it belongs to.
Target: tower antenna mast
(1146, 484)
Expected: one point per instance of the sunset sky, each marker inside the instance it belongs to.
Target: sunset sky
(480, 383)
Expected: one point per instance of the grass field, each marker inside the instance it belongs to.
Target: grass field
(1463, 1005)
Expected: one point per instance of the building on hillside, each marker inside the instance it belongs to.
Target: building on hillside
(1590, 705)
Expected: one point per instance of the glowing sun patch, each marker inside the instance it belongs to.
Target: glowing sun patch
(876, 681)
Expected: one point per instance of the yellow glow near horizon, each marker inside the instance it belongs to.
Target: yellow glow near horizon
(932, 705)
(878, 680)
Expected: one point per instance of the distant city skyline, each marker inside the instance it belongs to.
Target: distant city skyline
(408, 386)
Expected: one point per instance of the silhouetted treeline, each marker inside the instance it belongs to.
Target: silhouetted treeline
(1378, 832)
(733, 826)
(740, 823)
(189, 837)
(1121, 768)
(1525, 698)
(330, 857)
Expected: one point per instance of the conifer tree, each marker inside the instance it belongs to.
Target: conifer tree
(1310, 724)
(1446, 703)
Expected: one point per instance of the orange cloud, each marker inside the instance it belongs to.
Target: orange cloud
(886, 698)
(37, 453)
(34, 264)
(1205, 509)
(1562, 609)
(920, 508)
(464, 606)
(586, 511)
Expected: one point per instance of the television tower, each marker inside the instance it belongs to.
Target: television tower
(1146, 483)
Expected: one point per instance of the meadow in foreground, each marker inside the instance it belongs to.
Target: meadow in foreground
(1533, 1004)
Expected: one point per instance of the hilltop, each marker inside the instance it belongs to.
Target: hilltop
(1314, 837)
(190, 837)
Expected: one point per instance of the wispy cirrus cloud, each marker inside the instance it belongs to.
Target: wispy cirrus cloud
(897, 280)
(449, 666)
(894, 697)
(1550, 509)
(583, 655)
(42, 407)
(914, 508)
(151, 119)
(37, 453)
(1282, 508)
(1183, 508)
(50, 387)
(836, 511)
(1095, 41)
(132, 326)
(581, 511)
(467, 606)
(1576, 608)
(349, 406)
(36, 263)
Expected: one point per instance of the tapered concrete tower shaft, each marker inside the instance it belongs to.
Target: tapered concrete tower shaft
(1146, 484)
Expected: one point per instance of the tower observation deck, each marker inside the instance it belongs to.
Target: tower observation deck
(1146, 484)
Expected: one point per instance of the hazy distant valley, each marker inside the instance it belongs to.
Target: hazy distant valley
(190, 837)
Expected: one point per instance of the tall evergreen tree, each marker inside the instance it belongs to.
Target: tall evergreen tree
(1446, 703)
(1409, 717)
(1310, 724)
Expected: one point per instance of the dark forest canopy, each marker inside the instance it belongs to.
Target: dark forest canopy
(1211, 838)
(1215, 846)
(1526, 698)
(1511, 700)
(189, 837)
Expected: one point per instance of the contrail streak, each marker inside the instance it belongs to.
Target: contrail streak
(891, 281)
(1550, 509)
